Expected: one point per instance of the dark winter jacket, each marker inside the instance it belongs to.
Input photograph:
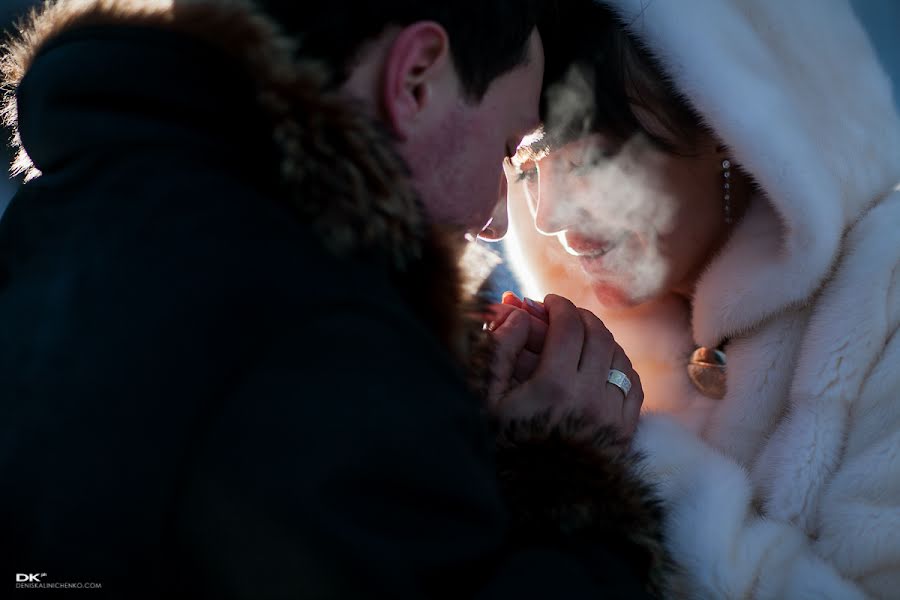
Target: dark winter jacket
(232, 352)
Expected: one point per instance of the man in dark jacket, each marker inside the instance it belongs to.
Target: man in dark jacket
(233, 336)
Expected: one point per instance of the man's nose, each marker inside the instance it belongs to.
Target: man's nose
(499, 224)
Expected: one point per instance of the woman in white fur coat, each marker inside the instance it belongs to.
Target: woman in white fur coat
(717, 180)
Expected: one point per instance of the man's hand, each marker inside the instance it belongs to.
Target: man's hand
(555, 357)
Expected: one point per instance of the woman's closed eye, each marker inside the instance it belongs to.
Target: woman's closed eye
(526, 161)
(591, 159)
(526, 172)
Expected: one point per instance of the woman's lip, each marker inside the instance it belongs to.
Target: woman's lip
(577, 245)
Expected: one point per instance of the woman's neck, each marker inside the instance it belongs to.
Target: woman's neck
(742, 191)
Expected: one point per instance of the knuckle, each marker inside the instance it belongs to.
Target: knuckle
(636, 391)
(518, 318)
(516, 326)
(636, 380)
(594, 325)
(567, 325)
(590, 316)
(636, 385)
(639, 400)
(551, 390)
(559, 303)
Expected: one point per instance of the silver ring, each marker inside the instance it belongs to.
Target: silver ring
(620, 380)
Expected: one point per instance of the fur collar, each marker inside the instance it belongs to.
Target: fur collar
(340, 168)
(375, 205)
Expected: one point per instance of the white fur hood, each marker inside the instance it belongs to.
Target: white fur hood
(769, 76)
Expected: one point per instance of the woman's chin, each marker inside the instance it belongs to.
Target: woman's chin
(615, 297)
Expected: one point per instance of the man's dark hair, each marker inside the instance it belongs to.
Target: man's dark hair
(487, 37)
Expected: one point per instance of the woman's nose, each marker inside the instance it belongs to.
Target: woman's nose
(551, 215)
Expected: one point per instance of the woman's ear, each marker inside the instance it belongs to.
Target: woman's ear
(417, 63)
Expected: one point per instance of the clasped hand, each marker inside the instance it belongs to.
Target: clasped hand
(554, 358)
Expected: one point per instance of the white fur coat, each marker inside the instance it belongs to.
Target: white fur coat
(789, 487)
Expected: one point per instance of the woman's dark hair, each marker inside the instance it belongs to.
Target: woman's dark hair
(487, 37)
(597, 75)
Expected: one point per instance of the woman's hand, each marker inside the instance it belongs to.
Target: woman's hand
(519, 338)
(555, 358)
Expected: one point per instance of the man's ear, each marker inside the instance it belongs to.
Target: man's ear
(417, 63)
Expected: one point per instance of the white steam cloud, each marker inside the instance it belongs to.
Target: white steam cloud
(597, 191)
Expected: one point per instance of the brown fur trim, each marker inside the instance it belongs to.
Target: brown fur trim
(578, 484)
(340, 168)
(348, 178)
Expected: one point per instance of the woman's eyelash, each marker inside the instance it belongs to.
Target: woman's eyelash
(528, 174)
(593, 159)
(583, 168)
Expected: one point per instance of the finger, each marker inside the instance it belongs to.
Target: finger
(537, 335)
(510, 338)
(537, 331)
(631, 410)
(631, 402)
(565, 338)
(537, 309)
(609, 406)
(620, 362)
(526, 365)
(497, 315)
(511, 299)
(599, 348)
